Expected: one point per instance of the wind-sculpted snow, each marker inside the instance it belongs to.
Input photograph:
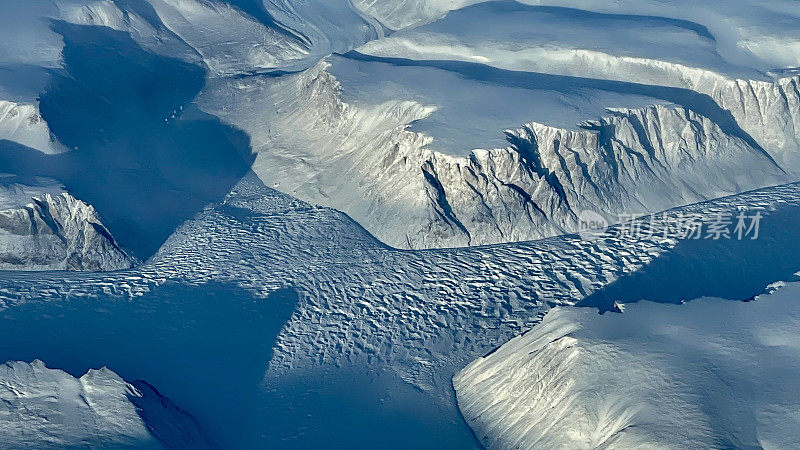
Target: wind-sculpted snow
(49, 408)
(234, 38)
(400, 14)
(419, 313)
(324, 26)
(56, 232)
(657, 376)
(229, 41)
(363, 160)
(750, 33)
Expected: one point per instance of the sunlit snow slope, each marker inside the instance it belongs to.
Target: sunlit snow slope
(264, 290)
(456, 123)
(710, 373)
(502, 122)
(43, 227)
(49, 408)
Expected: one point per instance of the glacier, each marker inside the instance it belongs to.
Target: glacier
(689, 81)
(619, 124)
(283, 295)
(365, 161)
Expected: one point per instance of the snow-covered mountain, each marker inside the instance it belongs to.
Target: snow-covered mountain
(656, 376)
(49, 408)
(365, 161)
(45, 228)
(265, 290)
(381, 136)
(467, 123)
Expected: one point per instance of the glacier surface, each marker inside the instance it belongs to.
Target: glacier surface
(314, 299)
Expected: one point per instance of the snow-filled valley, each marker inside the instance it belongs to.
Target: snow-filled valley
(361, 223)
(288, 296)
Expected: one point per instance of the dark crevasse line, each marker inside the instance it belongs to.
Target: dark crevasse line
(141, 153)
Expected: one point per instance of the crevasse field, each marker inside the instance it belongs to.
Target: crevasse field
(399, 224)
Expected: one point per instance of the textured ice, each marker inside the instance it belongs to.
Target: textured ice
(362, 302)
(710, 373)
(419, 316)
(453, 124)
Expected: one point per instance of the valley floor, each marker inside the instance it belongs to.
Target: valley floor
(273, 296)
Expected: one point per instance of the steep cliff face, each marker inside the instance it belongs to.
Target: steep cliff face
(718, 122)
(365, 161)
(401, 14)
(747, 92)
(769, 112)
(57, 232)
(634, 162)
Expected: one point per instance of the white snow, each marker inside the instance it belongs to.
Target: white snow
(706, 374)
(649, 50)
(49, 408)
(23, 124)
(363, 159)
(418, 313)
(456, 123)
(392, 146)
(43, 227)
(749, 33)
(229, 41)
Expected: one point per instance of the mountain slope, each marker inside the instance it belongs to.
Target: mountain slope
(708, 373)
(57, 232)
(23, 124)
(48, 408)
(364, 160)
